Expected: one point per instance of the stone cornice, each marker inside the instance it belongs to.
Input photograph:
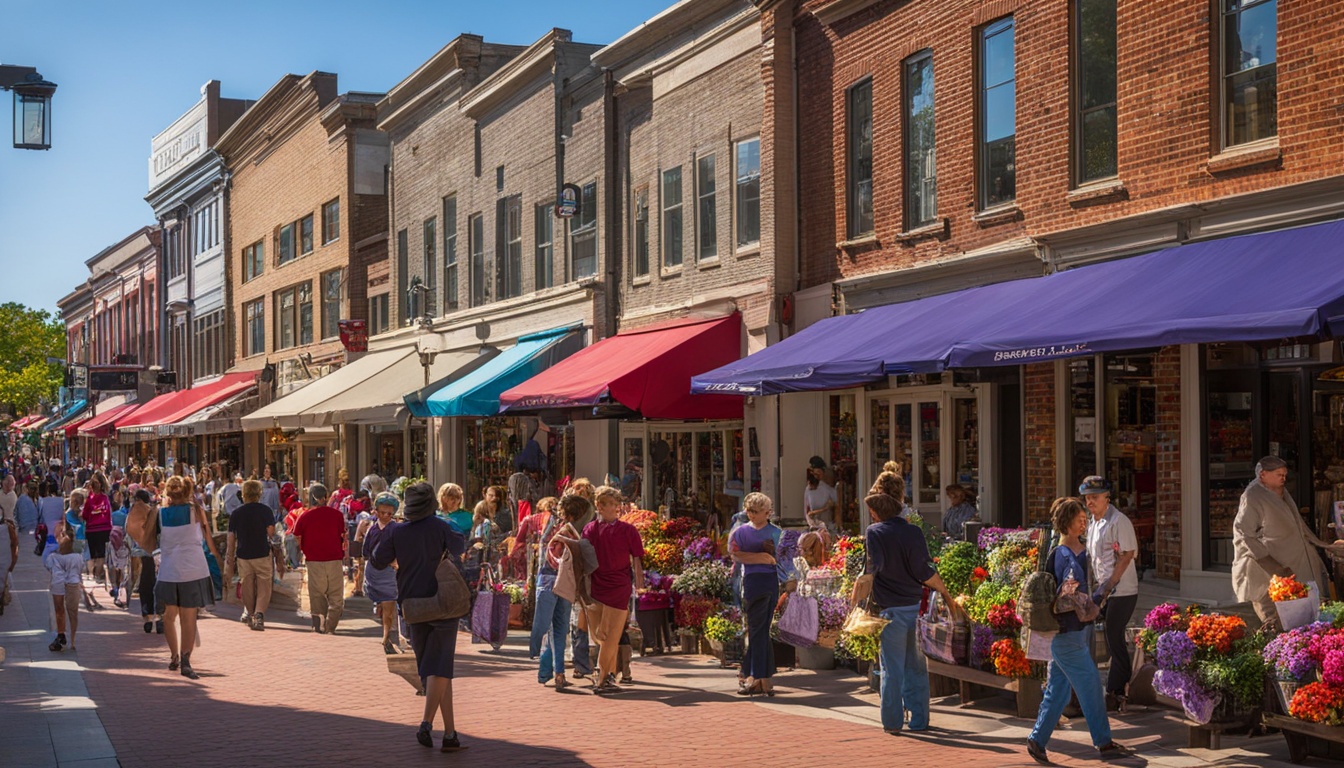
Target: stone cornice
(276, 116)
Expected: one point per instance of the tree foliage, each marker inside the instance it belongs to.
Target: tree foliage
(27, 338)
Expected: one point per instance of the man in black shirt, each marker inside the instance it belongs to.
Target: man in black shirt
(250, 529)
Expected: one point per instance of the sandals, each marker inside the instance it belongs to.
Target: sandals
(751, 690)
(425, 735)
(561, 684)
(187, 671)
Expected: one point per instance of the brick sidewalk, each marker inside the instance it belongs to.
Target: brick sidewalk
(288, 697)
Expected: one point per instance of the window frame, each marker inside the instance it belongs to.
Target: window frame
(403, 267)
(668, 209)
(706, 218)
(509, 247)
(306, 234)
(450, 300)
(1080, 113)
(380, 318)
(739, 199)
(331, 221)
(254, 314)
(1224, 77)
(286, 232)
(303, 304)
(254, 256)
(480, 283)
(854, 225)
(912, 203)
(583, 230)
(983, 36)
(543, 248)
(639, 233)
(331, 320)
(429, 236)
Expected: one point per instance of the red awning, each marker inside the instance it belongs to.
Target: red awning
(104, 424)
(172, 407)
(72, 428)
(24, 422)
(647, 370)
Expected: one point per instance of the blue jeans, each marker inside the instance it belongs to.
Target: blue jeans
(905, 674)
(551, 617)
(580, 658)
(1072, 668)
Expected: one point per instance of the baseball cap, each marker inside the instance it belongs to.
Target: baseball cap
(1094, 484)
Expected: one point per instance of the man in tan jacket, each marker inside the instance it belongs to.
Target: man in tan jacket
(1269, 538)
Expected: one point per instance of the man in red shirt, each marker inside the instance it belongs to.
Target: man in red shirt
(321, 535)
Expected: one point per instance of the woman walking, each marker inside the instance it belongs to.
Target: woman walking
(619, 553)
(184, 585)
(67, 567)
(97, 514)
(380, 584)
(753, 546)
(1072, 670)
(551, 619)
(417, 546)
(147, 578)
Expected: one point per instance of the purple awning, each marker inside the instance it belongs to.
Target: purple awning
(1264, 286)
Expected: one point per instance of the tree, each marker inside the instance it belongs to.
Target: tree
(28, 338)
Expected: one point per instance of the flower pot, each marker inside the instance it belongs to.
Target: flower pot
(516, 616)
(729, 653)
(785, 655)
(1286, 689)
(816, 657)
(705, 648)
(690, 641)
(862, 666)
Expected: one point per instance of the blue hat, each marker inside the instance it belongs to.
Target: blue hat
(387, 498)
(1094, 484)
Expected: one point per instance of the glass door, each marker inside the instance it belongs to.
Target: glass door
(966, 432)
(930, 454)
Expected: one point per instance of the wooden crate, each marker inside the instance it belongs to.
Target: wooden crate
(1026, 691)
(1308, 739)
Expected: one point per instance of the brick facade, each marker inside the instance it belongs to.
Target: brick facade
(1167, 376)
(289, 154)
(112, 317)
(1040, 431)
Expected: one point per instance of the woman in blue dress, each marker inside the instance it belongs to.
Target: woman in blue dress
(380, 585)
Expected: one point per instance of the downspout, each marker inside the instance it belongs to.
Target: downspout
(611, 232)
(558, 91)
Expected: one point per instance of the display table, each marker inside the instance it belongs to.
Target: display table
(1026, 691)
(1308, 739)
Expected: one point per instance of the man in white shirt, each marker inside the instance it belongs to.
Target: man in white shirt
(1111, 549)
(8, 499)
(819, 500)
(230, 495)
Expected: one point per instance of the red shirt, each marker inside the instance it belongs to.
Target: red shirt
(97, 513)
(322, 534)
(615, 543)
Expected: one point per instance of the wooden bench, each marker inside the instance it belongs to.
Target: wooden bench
(1026, 691)
(1308, 739)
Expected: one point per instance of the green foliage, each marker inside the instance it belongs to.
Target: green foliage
(955, 565)
(1333, 612)
(1240, 675)
(722, 629)
(986, 596)
(932, 536)
(30, 336)
(862, 647)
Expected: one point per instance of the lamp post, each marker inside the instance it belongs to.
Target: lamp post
(428, 345)
(32, 105)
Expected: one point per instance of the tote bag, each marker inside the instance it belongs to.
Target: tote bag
(799, 624)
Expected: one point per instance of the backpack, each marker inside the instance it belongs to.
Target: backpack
(1036, 601)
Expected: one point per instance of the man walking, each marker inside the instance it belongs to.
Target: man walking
(250, 529)
(321, 535)
(9, 500)
(229, 498)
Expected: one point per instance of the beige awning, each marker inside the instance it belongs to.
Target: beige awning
(375, 400)
(285, 412)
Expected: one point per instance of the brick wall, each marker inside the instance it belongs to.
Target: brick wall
(1039, 435)
(1167, 373)
(1166, 113)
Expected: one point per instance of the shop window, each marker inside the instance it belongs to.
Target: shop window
(844, 434)
(998, 115)
(1230, 383)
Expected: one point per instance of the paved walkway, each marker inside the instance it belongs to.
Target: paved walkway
(288, 697)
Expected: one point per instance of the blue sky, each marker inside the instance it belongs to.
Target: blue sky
(127, 69)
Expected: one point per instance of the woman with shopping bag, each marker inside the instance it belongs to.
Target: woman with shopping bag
(899, 563)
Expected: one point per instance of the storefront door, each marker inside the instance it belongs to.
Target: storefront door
(935, 435)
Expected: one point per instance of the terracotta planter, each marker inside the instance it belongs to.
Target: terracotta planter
(516, 616)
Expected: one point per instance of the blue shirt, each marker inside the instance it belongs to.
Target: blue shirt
(1064, 561)
(119, 518)
(750, 539)
(74, 522)
(898, 558)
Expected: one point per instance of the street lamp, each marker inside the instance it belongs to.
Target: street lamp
(427, 343)
(32, 105)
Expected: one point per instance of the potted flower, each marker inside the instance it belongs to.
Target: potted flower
(1211, 667)
(724, 633)
(831, 615)
(1289, 658)
(691, 612)
(1293, 601)
(517, 592)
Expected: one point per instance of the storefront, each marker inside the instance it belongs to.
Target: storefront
(489, 445)
(691, 468)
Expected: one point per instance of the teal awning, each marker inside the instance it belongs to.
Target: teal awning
(72, 412)
(477, 392)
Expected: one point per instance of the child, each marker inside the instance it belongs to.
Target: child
(74, 519)
(67, 586)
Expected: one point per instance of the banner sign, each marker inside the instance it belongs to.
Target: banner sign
(354, 335)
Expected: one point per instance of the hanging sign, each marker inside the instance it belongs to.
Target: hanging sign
(569, 201)
(354, 335)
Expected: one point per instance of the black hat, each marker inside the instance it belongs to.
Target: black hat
(1094, 484)
(419, 501)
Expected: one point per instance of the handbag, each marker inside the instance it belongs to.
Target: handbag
(490, 614)
(799, 624)
(942, 636)
(863, 623)
(451, 600)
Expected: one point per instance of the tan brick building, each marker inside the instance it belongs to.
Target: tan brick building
(307, 218)
(944, 145)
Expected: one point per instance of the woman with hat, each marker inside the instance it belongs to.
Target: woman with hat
(1112, 547)
(417, 546)
(380, 584)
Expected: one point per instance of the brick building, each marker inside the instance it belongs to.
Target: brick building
(307, 218)
(943, 146)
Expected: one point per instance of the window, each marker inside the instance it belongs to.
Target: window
(480, 285)
(294, 316)
(331, 304)
(545, 251)
(403, 279)
(747, 174)
(306, 313)
(1095, 121)
(707, 209)
(921, 167)
(209, 353)
(173, 261)
(583, 234)
(255, 312)
(378, 315)
(430, 267)
(306, 234)
(205, 228)
(254, 258)
(331, 220)
(449, 253)
(672, 224)
(998, 115)
(286, 254)
(509, 247)
(859, 115)
(640, 237)
(1250, 78)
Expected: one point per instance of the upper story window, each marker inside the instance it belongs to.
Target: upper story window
(205, 228)
(449, 253)
(921, 166)
(173, 260)
(998, 115)
(640, 237)
(509, 247)
(1250, 83)
(378, 317)
(255, 339)
(544, 237)
(859, 118)
(707, 210)
(306, 234)
(480, 284)
(294, 316)
(403, 279)
(254, 260)
(331, 220)
(286, 247)
(672, 223)
(430, 266)
(583, 234)
(331, 304)
(747, 191)
(1095, 118)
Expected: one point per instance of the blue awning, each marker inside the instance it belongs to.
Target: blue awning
(1272, 285)
(72, 412)
(477, 392)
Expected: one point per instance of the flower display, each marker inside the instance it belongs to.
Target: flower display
(982, 642)
(709, 578)
(679, 528)
(516, 590)
(1197, 701)
(990, 537)
(1283, 588)
(957, 563)
(862, 647)
(724, 627)
(831, 612)
(1003, 619)
(1009, 659)
(1175, 651)
(1166, 617)
(1323, 644)
(1318, 703)
(978, 576)
(662, 556)
(692, 610)
(1216, 631)
(702, 548)
(1288, 653)
(986, 596)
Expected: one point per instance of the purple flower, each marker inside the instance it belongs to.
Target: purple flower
(1290, 655)
(1175, 651)
(1162, 618)
(1197, 702)
(832, 612)
(700, 549)
(990, 537)
(982, 640)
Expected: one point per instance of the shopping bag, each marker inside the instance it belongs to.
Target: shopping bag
(861, 622)
(799, 623)
(1300, 612)
(943, 636)
(490, 614)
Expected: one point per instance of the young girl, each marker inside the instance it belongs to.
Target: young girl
(74, 518)
(66, 566)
